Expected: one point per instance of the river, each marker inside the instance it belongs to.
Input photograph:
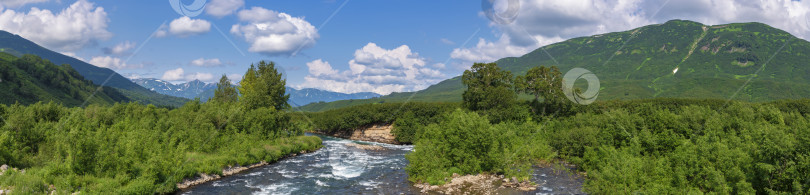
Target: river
(340, 169)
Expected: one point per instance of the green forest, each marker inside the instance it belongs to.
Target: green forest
(131, 148)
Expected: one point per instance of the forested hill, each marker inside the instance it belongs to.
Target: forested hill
(711, 62)
(18, 46)
(30, 79)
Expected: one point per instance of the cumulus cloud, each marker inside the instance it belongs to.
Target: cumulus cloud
(75, 27)
(274, 33)
(543, 22)
(206, 62)
(221, 8)
(119, 49)
(18, 3)
(374, 69)
(180, 75)
(185, 26)
(112, 63)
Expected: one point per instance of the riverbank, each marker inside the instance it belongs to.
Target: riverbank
(202, 178)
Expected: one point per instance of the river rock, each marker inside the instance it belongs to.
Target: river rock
(366, 147)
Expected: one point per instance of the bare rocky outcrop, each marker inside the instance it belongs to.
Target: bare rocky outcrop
(380, 133)
(476, 184)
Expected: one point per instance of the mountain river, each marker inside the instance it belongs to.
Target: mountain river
(340, 169)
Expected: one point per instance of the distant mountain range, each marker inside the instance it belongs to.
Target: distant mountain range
(204, 91)
(682, 59)
(18, 46)
(188, 90)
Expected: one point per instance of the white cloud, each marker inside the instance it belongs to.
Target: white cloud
(206, 62)
(79, 25)
(162, 31)
(235, 78)
(18, 3)
(204, 77)
(174, 75)
(220, 8)
(73, 55)
(180, 75)
(134, 76)
(542, 22)
(319, 67)
(274, 33)
(374, 69)
(447, 41)
(185, 26)
(120, 49)
(112, 63)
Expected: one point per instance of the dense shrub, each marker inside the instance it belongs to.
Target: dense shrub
(466, 143)
(136, 149)
(657, 146)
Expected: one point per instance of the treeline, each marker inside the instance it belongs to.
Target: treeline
(406, 117)
(143, 149)
(657, 146)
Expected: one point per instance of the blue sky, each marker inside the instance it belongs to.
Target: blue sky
(366, 45)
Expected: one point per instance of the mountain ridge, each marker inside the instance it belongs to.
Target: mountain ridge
(678, 58)
(18, 46)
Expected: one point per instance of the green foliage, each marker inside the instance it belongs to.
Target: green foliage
(143, 149)
(136, 149)
(489, 91)
(225, 92)
(689, 148)
(466, 143)
(656, 146)
(263, 86)
(542, 82)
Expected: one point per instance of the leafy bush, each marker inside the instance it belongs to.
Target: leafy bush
(466, 143)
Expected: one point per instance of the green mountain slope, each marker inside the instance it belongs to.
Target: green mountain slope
(711, 61)
(17, 46)
(30, 79)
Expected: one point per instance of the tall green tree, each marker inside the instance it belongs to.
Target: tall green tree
(225, 91)
(264, 86)
(541, 82)
(489, 90)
